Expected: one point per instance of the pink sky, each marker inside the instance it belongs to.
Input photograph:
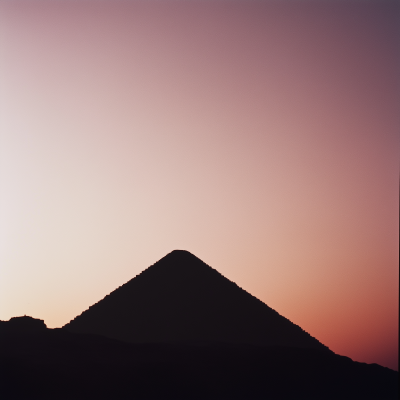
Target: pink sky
(263, 137)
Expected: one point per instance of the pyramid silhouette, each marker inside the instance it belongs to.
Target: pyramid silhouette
(182, 299)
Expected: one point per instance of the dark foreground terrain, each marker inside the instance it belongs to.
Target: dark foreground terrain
(179, 330)
(57, 364)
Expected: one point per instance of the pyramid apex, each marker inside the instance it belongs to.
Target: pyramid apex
(179, 251)
(180, 254)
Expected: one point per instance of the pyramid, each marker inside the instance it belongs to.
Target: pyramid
(181, 299)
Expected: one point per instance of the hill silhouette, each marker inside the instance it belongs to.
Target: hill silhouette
(179, 330)
(182, 299)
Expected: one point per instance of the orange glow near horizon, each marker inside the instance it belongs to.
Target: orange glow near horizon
(263, 137)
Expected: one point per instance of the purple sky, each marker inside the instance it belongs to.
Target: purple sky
(263, 137)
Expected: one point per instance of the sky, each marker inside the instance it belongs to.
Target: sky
(261, 136)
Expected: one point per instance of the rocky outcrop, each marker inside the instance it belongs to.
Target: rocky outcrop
(23, 324)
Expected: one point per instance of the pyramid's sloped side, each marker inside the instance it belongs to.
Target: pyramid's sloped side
(180, 298)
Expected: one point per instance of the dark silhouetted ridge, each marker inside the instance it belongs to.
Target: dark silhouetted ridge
(182, 299)
(183, 332)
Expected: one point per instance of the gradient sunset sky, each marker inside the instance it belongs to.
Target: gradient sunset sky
(261, 136)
